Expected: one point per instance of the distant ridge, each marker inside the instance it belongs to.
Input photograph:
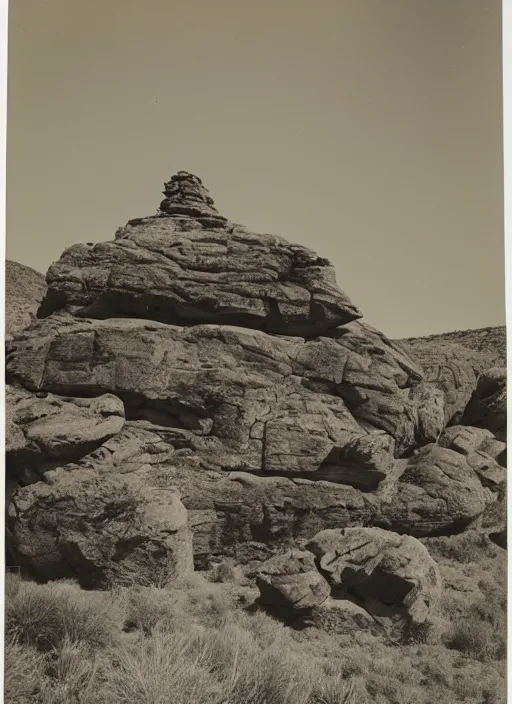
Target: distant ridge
(487, 340)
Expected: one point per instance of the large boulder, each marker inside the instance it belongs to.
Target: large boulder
(467, 439)
(100, 529)
(291, 580)
(391, 575)
(24, 291)
(438, 491)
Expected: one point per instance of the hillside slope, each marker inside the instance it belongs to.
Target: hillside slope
(488, 340)
(24, 291)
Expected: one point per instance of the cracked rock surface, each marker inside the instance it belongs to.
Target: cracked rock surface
(392, 576)
(192, 358)
(100, 529)
(175, 268)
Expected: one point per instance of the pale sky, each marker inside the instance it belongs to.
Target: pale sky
(368, 130)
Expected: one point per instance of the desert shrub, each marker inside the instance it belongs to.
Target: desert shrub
(265, 629)
(157, 670)
(478, 686)
(24, 672)
(226, 573)
(13, 582)
(427, 633)
(171, 609)
(477, 638)
(493, 587)
(150, 608)
(271, 678)
(339, 690)
(72, 671)
(464, 548)
(48, 615)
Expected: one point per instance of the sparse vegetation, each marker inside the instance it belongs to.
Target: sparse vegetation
(195, 642)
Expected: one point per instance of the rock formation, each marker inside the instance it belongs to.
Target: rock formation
(487, 407)
(191, 357)
(354, 578)
(101, 529)
(489, 341)
(24, 291)
(292, 580)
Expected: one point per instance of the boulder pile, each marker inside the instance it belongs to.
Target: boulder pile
(192, 388)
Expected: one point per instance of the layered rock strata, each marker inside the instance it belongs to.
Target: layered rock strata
(190, 355)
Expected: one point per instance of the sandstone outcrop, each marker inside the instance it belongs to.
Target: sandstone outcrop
(337, 408)
(24, 291)
(487, 407)
(248, 517)
(291, 580)
(452, 369)
(169, 268)
(100, 529)
(467, 439)
(392, 576)
(191, 357)
(45, 430)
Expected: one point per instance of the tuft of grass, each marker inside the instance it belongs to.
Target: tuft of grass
(157, 670)
(72, 676)
(190, 600)
(24, 673)
(46, 616)
(477, 637)
(193, 642)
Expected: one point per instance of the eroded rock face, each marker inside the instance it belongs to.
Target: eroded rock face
(100, 529)
(392, 576)
(467, 439)
(247, 517)
(487, 407)
(24, 291)
(292, 581)
(451, 368)
(337, 408)
(173, 270)
(44, 430)
(191, 355)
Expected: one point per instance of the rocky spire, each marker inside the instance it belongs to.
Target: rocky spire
(186, 196)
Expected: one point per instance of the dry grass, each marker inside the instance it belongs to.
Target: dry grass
(46, 616)
(194, 643)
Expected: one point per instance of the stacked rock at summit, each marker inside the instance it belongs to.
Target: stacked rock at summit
(186, 195)
(188, 265)
(191, 354)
